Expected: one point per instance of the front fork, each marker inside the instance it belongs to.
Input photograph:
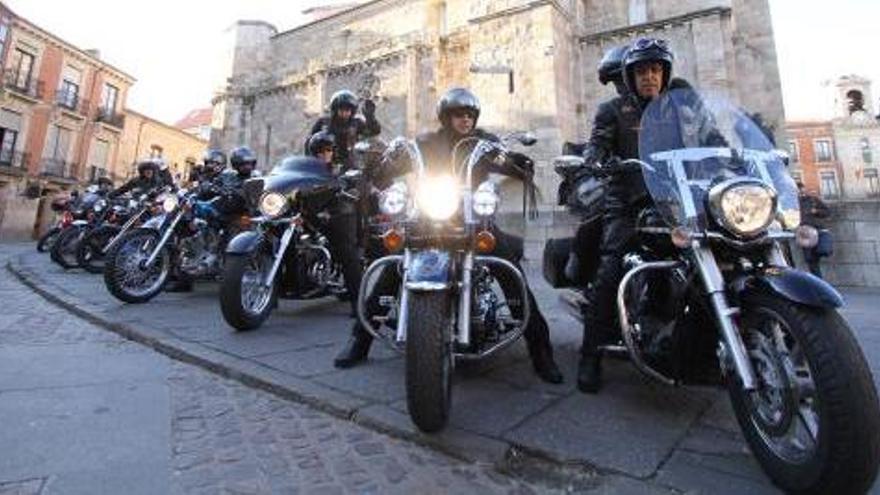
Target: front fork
(164, 240)
(732, 345)
(125, 227)
(286, 238)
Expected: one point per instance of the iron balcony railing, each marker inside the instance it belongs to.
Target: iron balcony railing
(13, 159)
(23, 84)
(56, 167)
(108, 116)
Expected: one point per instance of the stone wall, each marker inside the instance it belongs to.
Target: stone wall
(856, 259)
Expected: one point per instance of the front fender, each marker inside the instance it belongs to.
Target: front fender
(429, 270)
(794, 285)
(244, 243)
(155, 222)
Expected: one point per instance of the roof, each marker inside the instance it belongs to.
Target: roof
(195, 118)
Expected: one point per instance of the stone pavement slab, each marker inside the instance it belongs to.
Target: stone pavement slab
(637, 429)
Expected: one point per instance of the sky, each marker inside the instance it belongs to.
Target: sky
(174, 47)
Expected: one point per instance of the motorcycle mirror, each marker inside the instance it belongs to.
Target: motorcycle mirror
(527, 139)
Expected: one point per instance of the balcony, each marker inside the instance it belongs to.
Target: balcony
(109, 117)
(29, 87)
(13, 162)
(56, 168)
(67, 100)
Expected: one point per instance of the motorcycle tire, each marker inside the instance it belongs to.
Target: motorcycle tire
(232, 299)
(88, 253)
(126, 255)
(429, 360)
(48, 239)
(64, 250)
(846, 444)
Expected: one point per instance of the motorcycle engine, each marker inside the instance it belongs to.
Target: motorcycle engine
(198, 256)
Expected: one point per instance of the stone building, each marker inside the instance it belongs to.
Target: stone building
(532, 63)
(147, 137)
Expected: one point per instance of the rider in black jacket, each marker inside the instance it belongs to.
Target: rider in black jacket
(458, 111)
(147, 181)
(345, 125)
(647, 71)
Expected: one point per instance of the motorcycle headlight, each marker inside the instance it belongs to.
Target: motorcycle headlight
(273, 204)
(392, 201)
(744, 208)
(791, 219)
(486, 199)
(438, 197)
(169, 203)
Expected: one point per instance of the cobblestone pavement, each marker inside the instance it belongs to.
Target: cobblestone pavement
(635, 437)
(86, 411)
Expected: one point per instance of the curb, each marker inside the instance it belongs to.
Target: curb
(505, 457)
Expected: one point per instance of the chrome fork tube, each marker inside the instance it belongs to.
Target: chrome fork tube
(714, 284)
(127, 225)
(165, 236)
(403, 306)
(279, 256)
(464, 300)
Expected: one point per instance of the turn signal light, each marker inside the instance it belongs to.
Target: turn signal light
(245, 222)
(392, 240)
(485, 242)
(681, 237)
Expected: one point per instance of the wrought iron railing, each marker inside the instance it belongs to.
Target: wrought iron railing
(13, 159)
(108, 116)
(56, 167)
(27, 85)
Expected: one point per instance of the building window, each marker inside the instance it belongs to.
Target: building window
(108, 99)
(867, 154)
(155, 151)
(4, 33)
(22, 65)
(68, 96)
(828, 185)
(873, 182)
(822, 148)
(8, 139)
(793, 151)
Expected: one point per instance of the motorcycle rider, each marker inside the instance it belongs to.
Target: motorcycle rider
(345, 125)
(321, 146)
(611, 68)
(458, 112)
(647, 72)
(146, 181)
(213, 162)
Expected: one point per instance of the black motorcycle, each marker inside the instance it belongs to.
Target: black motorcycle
(89, 208)
(450, 304)
(708, 297)
(124, 214)
(185, 240)
(285, 255)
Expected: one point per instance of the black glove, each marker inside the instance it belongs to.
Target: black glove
(369, 108)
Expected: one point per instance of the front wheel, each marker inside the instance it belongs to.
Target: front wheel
(814, 421)
(47, 240)
(90, 253)
(429, 360)
(64, 250)
(244, 300)
(125, 273)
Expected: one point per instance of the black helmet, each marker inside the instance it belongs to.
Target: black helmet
(214, 156)
(242, 157)
(611, 65)
(343, 98)
(647, 50)
(147, 164)
(104, 182)
(321, 140)
(457, 99)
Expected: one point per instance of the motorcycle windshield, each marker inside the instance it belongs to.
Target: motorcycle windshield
(690, 142)
(299, 172)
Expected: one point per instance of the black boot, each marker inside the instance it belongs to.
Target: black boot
(356, 349)
(590, 373)
(545, 366)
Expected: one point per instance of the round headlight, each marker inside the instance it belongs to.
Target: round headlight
(745, 209)
(791, 219)
(392, 201)
(272, 204)
(438, 197)
(169, 203)
(486, 199)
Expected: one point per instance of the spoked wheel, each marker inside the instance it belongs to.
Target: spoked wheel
(126, 275)
(48, 239)
(64, 250)
(90, 253)
(429, 360)
(814, 421)
(244, 300)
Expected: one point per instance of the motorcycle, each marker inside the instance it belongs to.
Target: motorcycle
(708, 297)
(451, 305)
(86, 210)
(97, 242)
(60, 206)
(185, 239)
(284, 255)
